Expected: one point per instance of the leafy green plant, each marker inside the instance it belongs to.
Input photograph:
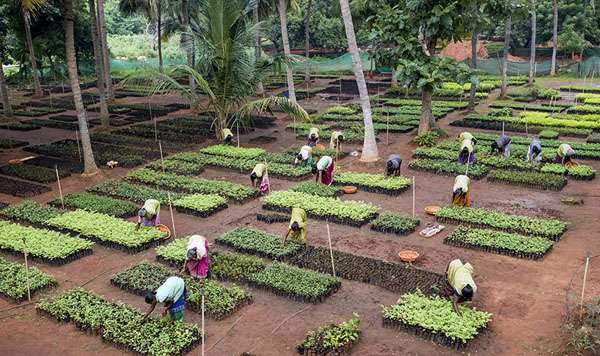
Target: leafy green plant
(313, 188)
(548, 134)
(548, 228)
(235, 152)
(48, 246)
(176, 166)
(120, 324)
(335, 339)
(529, 179)
(500, 242)
(341, 110)
(377, 183)
(11, 143)
(202, 205)
(33, 173)
(98, 204)
(14, 280)
(258, 242)
(433, 317)
(133, 192)
(106, 229)
(500, 112)
(343, 211)
(30, 212)
(446, 167)
(394, 223)
(296, 283)
(581, 171)
(220, 300)
(428, 139)
(192, 185)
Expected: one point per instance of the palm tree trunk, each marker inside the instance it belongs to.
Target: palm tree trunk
(532, 51)
(260, 90)
(34, 71)
(189, 45)
(88, 156)
(554, 37)
(110, 92)
(369, 151)
(159, 34)
(473, 66)
(99, 63)
(307, 42)
(6, 107)
(286, 49)
(427, 121)
(507, 32)
(394, 78)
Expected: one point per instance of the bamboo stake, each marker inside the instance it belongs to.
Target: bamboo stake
(387, 130)
(587, 262)
(503, 128)
(62, 200)
(203, 325)
(78, 148)
(171, 212)
(26, 270)
(155, 129)
(330, 248)
(413, 196)
(237, 124)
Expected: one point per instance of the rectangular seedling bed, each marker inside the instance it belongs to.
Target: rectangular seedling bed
(10, 143)
(49, 162)
(220, 300)
(259, 243)
(14, 278)
(318, 342)
(295, 283)
(98, 204)
(376, 183)
(202, 205)
(394, 224)
(273, 218)
(19, 126)
(133, 192)
(119, 324)
(43, 245)
(33, 173)
(20, 188)
(29, 212)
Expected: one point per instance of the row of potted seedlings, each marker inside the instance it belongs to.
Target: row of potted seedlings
(333, 339)
(376, 183)
(14, 280)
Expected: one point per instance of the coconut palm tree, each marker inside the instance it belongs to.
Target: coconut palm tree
(99, 63)
(307, 41)
(104, 50)
(282, 9)
(369, 151)
(178, 21)
(89, 164)
(554, 36)
(29, 9)
(226, 73)
(507, 34)
(6, 107)
(532, 50)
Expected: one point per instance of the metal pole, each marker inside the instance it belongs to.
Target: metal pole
(413, 196)
(330, 249)
(587, 263)
(26, 270)
(62, 200)
(78, 148)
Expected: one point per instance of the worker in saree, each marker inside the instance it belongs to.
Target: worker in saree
(260, 177)
(227, 136)
(304, 156)
(149, 214)
(534, 152)
(564, 155)
(197, 260)
(392, 165)
(335, 143)
(461, 194)
(313, 136)
(172, 294)
(460, 278)
(297, 227)
(466, 155)
(324, 170)
(501, 146)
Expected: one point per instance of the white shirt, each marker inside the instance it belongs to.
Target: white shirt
(198, 242)
(324, 163)
(172, 289)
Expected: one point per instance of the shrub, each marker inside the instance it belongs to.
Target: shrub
(428, 139)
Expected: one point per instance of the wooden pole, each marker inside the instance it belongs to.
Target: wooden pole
(162, 160)
(330, 249)
(587, 263)
(387, 130)
(171, 212)
(413, 196)
(26, 271)
(467, 172)
(78, 148)
(237, 123)
(62, 200)
(203, 325)
(503, 128)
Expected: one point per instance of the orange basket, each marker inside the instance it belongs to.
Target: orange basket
(349, 189)
(408, 255)
(319, 146)
(164, 228)
(431, 210)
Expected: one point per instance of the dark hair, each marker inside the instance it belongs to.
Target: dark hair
(458, 191)
(465, 149)
(467, 292)
(142, 212)
(253, 176)
(314, 170)
(150, 297)
(313, 136)
(299, 156)
(536, 149)
(340, 138)
(295, 226)
(495, 146)
(390, 164)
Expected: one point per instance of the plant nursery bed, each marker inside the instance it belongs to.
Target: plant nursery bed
(551, 229)
(133, 192)
(259, 243)
(201, 205)
(295, 283)
(376, 183)
(33, 173)
(20, 188)
(19, 126)
(394, 224)
(42, 245)
(332, 339)
(273, 218)
(97, 203)
(49, 162)
(220, 300)
(107, 230)
(14, 279)
(434, 319)
(535, 180)
(448, 168)
(11, 143)
(119, 324)
(532, 247)
(317, 189)
(401, 278)
(29, 212)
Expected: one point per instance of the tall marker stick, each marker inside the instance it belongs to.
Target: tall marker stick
(203, 331)
(26, 271)
(387, 130)
(330, 248)
(62, 200)
(162, 163)
(587, 263)
(237, 124)
(413, 195)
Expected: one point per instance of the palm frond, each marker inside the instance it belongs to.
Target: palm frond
(261, 105)
(30, 7)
